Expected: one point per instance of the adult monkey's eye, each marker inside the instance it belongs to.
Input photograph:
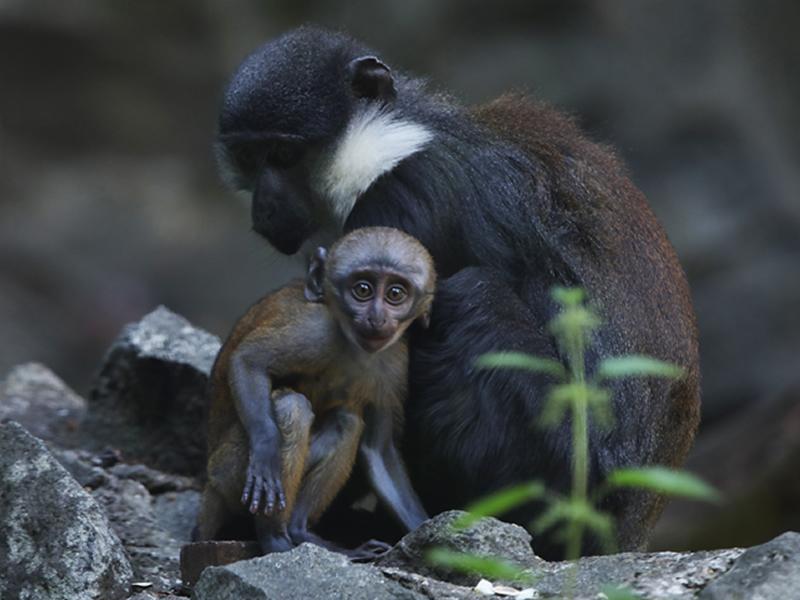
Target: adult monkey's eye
(362, 291)
(396, 294)
(287, 155)
(247, 158)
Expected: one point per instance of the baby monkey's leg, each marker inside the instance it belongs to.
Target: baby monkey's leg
(334, 445)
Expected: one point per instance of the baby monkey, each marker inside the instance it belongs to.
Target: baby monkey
(311, 375)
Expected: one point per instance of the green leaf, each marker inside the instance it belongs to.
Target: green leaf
(553, 515)
(500, 502)
(664, 481)
(636, 365)
(619, 592)
(577, 322)
(601, 412)
(520, 360)
(485, 566)
(554, 410)
(567, 296)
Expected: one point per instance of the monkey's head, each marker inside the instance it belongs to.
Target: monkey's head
(306, 127)
(376, 281)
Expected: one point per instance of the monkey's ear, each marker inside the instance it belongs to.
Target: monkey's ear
(370, 78)
(316, 273)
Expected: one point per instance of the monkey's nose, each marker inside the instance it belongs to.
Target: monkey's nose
(376, 321)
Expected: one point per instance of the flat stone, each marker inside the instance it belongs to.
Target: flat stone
(673, 575)
(306, 572)
(770, 571)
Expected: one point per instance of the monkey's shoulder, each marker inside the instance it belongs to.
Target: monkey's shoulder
(531, 123)
(281, 326)
(286, 312)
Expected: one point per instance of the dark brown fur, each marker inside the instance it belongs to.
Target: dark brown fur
(622, 242)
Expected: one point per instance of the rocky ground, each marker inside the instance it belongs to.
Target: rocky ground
(98, 497)
(110, 202)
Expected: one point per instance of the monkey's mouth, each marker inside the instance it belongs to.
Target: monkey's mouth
(374, 341)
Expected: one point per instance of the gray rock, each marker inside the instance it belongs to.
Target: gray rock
(158, 566)
(142, 596)
(146, 596)
(129, 507)
(765, 572)
(176, 513)
(55, 541)
(428, 587)
(35, 397)
(151, 526)
(658, 575)
(306, 572)
(198, 556)
(154, 553)
(149, 397)
(487, 537)
(79, 464)
(770, 571)
(155, 481)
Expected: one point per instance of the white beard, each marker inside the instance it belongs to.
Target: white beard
(374, 142)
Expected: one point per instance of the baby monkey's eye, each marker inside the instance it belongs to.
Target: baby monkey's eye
(362, 291)
(396, 294)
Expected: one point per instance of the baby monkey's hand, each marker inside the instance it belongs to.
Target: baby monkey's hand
(263, 482)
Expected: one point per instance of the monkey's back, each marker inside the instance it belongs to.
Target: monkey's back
(621, 255)
(619, 251)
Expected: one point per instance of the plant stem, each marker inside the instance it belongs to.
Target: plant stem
(579, 475)
(580, 440)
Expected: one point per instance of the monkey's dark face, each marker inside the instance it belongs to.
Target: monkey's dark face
(282, 104)
(281, 208)
(306, 126)
(378, 305)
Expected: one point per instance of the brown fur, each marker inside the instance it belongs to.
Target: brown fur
(592, 198)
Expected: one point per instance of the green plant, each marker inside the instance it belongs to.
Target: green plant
(579, 396)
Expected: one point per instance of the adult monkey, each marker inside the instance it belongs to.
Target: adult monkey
(510, 199)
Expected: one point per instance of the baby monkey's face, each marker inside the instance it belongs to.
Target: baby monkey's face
(375, 282)
(379, 304)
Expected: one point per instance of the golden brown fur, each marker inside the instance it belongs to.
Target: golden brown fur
(312, 368)
(293, 381)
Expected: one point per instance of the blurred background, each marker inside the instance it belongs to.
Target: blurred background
(110, 203)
